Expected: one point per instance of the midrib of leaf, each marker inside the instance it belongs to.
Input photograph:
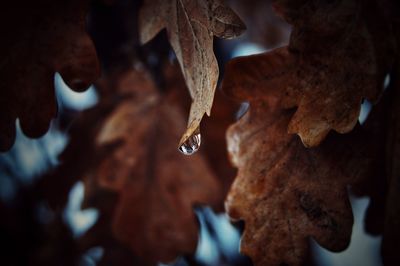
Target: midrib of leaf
(189, 21)
(196, 40)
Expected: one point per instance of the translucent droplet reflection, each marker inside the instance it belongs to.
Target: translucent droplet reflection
(192, 144)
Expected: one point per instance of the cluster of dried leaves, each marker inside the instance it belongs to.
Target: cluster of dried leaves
(338, 55)
(157, 185)
(126, 145)
(287, 188)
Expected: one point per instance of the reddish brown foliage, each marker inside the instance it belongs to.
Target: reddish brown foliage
(286, 193)
(326, 82)
(157, 186)
(38, 39)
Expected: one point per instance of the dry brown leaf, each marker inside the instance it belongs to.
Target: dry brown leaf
(105, 182)
(191, 26)
(158, 187)
(286, 193)
(336, 58)
(40, 38)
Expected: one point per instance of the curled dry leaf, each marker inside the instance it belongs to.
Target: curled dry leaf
(191, 25)
(337, 56)
(40, 38)
(158, 187)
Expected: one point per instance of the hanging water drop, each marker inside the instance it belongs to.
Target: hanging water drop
(192, 144)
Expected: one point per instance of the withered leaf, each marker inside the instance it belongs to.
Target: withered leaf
(337, 57)
(286, 193)
(158, 187)
(40, 38)
(191, 25)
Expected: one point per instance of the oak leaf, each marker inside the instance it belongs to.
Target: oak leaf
(284, 192)
(40, 38)
(191, 26)
(88, 160)
(157, 186)
(334, 60)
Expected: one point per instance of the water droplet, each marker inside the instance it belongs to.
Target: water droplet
(192, 144)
